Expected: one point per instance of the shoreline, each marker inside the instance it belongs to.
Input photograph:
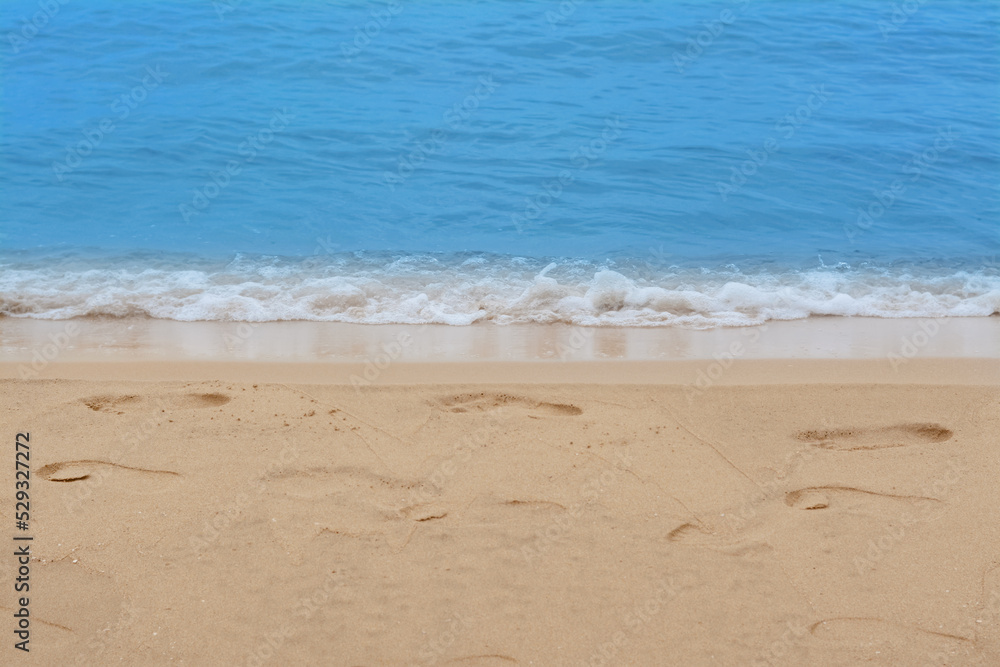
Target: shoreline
(144, 339)
(817, 350)
(695, 375)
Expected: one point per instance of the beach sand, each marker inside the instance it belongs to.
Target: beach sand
(786, 513)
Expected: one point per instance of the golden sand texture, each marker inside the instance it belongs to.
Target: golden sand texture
(482, 525)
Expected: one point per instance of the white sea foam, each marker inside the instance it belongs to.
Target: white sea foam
(425, 289)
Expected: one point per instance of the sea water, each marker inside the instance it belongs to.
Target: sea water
(587, 161)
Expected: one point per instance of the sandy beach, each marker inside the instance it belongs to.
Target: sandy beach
(809, 511)
(500, 334)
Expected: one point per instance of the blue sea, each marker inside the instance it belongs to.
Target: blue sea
(601, 163)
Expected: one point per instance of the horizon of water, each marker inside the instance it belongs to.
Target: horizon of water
(634, 163)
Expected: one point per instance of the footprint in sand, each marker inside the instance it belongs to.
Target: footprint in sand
(122, 403)
(76, 605)
(540, 505)
(76, 598)
(730, 543)
(486, 402)
(487, 509)
(79, 471)
(823, 497)
(744, 537)
(111, 403)
(688, 532)
(423, 512)
(351, 500)
(495, 660)
(319, 482)
(859, 439)
(864, 631)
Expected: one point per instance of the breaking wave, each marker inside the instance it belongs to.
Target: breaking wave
(462, 290)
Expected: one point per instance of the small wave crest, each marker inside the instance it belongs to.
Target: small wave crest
(466, 290)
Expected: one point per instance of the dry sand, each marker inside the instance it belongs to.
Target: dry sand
(787, 515)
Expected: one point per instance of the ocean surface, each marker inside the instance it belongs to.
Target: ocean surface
(634, 163)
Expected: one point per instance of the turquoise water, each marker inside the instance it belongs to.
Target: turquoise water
(644, 163)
